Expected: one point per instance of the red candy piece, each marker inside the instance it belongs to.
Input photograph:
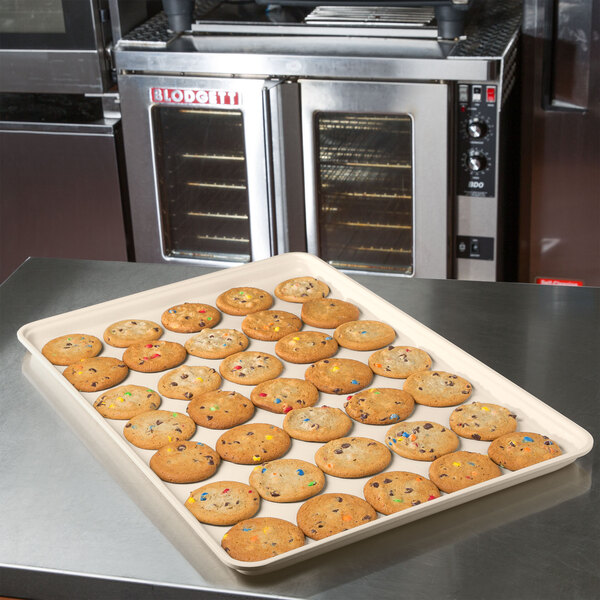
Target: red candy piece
(237, 367)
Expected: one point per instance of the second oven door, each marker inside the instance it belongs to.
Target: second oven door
(195, 150)
(376, 175)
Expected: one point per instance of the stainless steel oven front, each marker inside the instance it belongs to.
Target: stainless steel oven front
(377, 153)
(197, 165)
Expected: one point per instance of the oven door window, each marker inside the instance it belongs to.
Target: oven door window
(365, 191)
(46, 25)
(203, 183)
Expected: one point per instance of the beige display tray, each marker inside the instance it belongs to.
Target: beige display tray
(166, 501)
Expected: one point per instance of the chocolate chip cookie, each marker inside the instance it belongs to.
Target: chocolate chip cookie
(306, 347)
(380, 406)
(95, 374)
(241, 301)
(421, 440)
(284, 394)
(220, 409)
(328, 514)
(352, 457)
(250, 368)
(437, 388)
(398, 362)
(190, 317)
(339, 375)
(67, 349)
(186, 382)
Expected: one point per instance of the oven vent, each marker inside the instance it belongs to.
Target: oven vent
(490, 30)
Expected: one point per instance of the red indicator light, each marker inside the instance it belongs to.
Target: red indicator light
(491, 94)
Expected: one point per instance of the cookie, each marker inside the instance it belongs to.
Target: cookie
(301, 289)
(223, 502)
(67, 349)
(329, 514)
(339, 375)
(421, 440)
(132, 331)
(253, 443)
(394, 491)
(250, 368)
(190, 317)
(398, 362)
(127, 401)
(156, 428)
(458, 470)
(364, 335)
(261, 538)
(482, 421)
(185, 462)
(352, 457)
(154, 356)
(97, 373)
(306, 347)
(328, 313)
(241, 301)
(437, 388)
(287, 480)
(220, 409)
(380, 406)
(216, 343)
(317, 424)
(518, 450)
(187, 382)
(284, 394)
(270, 325)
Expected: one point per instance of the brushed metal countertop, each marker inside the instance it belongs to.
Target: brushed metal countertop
(68, 530)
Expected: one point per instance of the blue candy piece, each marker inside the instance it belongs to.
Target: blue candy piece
(527, 439)
(394, 416)
(300, 472)
(277, 400)
(354, 382)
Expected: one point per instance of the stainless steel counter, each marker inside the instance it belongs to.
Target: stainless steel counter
(68, 530)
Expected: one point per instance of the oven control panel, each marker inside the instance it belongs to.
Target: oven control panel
(477, 115)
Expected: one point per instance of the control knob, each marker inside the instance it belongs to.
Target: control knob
(476, 162)
(476, 129)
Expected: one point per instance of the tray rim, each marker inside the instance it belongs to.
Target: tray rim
(383, 522)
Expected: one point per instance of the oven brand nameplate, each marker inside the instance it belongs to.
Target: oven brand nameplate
(193, 96)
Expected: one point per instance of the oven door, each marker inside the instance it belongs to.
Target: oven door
(54, 46)
(376, 176)
(196, 162)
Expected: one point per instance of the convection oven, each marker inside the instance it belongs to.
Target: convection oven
(381, 148)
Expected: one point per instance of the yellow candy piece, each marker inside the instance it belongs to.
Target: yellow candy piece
(111, 406)
(199, 379)
(456, 464)
(296, 339)
(276, 328)
(485, 408)
(191, 500)
(268, 437)
(256, 458)
(170, 438)
(267, 529)
(169, 449)
(334, 369)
